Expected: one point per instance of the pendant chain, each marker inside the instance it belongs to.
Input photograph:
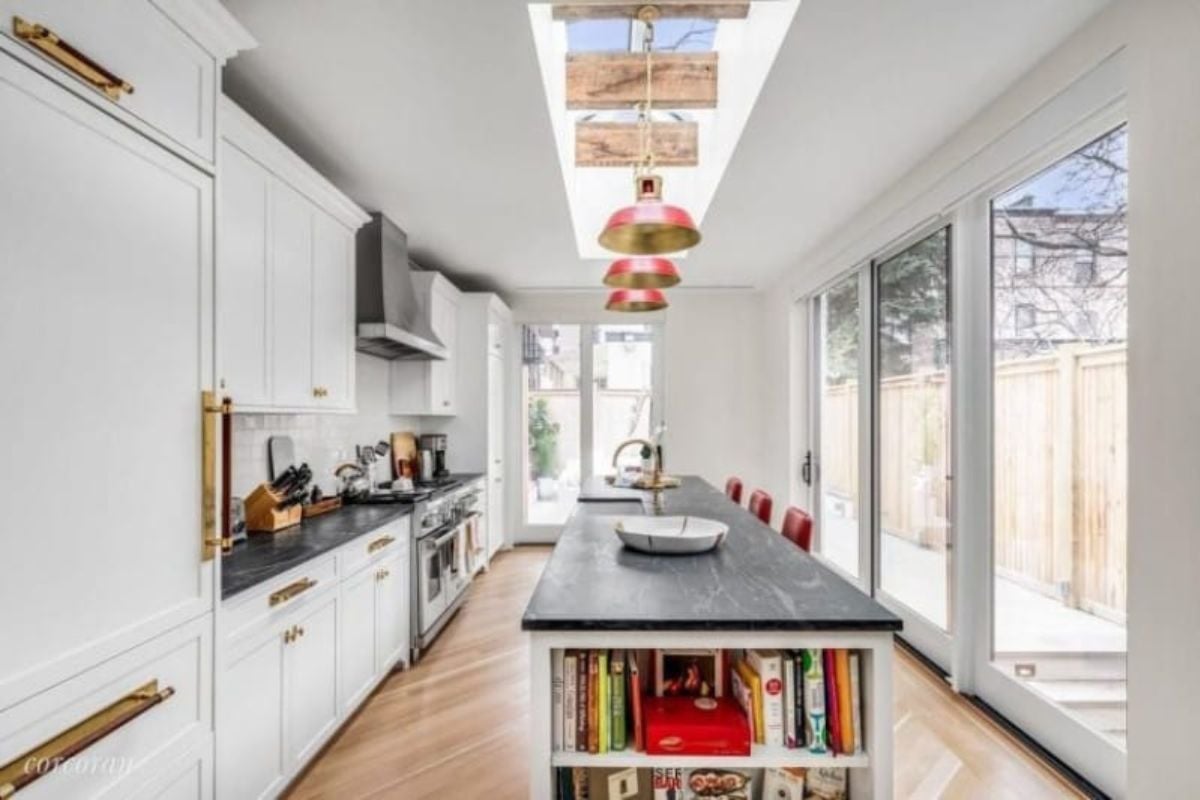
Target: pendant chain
(645, 111)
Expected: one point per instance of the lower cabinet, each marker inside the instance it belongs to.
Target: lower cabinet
(310, 682)
(375, 626)
(292, 674)
(278, 700)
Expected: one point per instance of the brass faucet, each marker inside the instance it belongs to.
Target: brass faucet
(655, 476)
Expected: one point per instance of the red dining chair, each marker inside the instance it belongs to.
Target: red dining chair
(798, 527)
(733, 488)
(760, 505)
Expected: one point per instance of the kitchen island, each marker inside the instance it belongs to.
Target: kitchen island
(756, 591)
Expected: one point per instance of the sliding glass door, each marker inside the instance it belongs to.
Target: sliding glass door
(1059, 270)
(841, 366)
(1036, 627)
(912, 436)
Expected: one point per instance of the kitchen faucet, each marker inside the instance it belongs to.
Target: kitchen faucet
(656, 474)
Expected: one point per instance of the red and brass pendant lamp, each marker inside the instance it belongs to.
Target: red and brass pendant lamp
(648, 228)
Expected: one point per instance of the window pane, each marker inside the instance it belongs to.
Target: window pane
(551, 358)
(1059, 338)
(623, 373)
(838, 459)
(914, 423)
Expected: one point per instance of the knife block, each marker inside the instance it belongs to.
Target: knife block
(263, 514)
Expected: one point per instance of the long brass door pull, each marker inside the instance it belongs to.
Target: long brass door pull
(46, 757)
(60, 52)
(291, 590)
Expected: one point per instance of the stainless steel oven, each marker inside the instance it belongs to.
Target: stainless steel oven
(441, 572)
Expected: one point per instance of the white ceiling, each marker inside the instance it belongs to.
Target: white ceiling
(433, 112)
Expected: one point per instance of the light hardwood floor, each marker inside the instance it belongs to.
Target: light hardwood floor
(455, 726)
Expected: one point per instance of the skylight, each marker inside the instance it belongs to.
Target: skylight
(744, 48)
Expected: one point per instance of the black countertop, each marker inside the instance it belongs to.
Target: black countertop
(264, 555)
(756, 579)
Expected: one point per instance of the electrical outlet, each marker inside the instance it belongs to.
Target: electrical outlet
(623, 784)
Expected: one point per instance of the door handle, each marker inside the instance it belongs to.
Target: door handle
(806, 469)
(69, 58)
(210, 412)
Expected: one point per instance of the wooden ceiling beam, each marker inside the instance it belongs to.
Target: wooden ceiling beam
(618, 80)
(619, 144)
(685, 9)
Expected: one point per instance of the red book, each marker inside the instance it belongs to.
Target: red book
(704, 726)
(635, 700)
(581, 701)
(831, 701)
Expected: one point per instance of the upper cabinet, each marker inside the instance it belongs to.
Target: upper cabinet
(285, 276)
(429, 387)
(155, 72)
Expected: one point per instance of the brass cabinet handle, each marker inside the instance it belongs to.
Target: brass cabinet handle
(210, 412)
(289, 635)
(291, 590)
(380, 543)
(18, 773)
(382, 574)
(48, 42)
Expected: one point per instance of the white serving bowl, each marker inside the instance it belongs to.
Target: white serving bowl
(670, 535)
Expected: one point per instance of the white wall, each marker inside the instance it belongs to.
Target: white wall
(322, 440)
(714, 383)
(1164, 387)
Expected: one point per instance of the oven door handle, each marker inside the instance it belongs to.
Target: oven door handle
(434, 543)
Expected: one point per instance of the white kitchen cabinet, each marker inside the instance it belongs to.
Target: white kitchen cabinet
(291, 298)
(292, 673)
(477, 433)
(392, 588)
(250, 743)
(359, 661)
(244, 280)
(105, 340)
(430, 387)
(495, 452)
(333, 312)
(310, 681)
(285, 277)
(170, 68)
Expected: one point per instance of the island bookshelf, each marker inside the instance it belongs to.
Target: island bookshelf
(869, 771)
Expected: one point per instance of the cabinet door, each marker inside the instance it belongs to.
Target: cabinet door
(391, 612)
(250, 754)
(105, 344)
(291, 297)
(243, 307)
(495, 463)
(444, 317)
(333, 312)
(310, 682)
(357, 637)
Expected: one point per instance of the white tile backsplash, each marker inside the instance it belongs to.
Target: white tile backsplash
(321, 440)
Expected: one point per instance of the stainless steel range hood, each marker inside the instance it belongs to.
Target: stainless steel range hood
(393, 313)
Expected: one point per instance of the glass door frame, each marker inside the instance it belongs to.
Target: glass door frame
(865, 580)
(541, 532)
(933, 642)
(1087, 751)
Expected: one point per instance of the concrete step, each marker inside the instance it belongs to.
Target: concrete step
(1083, 694)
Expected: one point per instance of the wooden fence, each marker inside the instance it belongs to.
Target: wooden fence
(1059, 468)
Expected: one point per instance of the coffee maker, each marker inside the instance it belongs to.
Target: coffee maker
(435, 445)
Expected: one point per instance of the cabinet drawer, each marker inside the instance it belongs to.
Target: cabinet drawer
(278, 596)
(173, 78)
(173, 665)
(384, 542)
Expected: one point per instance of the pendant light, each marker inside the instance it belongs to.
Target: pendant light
(641, 273)
(649, 226)
(636, 300)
